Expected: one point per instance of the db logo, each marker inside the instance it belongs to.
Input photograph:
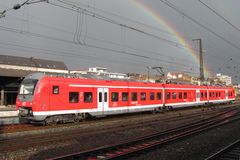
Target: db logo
(24, 103)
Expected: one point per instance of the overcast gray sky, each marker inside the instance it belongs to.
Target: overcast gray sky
(126, 35)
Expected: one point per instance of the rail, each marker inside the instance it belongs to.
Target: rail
(136, 145)
(231, 152)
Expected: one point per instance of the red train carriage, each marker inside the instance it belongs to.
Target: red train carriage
(55, 99)
(190, 95)
(220, 94)
(184, 95)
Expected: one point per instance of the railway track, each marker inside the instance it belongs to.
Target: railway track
(140, 144)
(231, 152)
(12, 128)
(14, 144)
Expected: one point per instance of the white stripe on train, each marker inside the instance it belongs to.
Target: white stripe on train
(39, 113)
(99, 86)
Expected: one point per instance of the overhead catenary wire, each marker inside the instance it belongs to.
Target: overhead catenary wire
(88, 45)
(94, 8)
(73, 7)
(93, 46)
(100, 39)
(109, 13)
(76, 34)
(61, 53)
(219, 15)
(72, 56)
(173, 43)
(171, 5)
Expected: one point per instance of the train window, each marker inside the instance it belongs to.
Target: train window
(143, 96)
(114, 96)
(88, 97)
(168, 95)
(124, 96)
(210, 94)
(159, 95)
(205, 94)
(105, 97)
(185, 95)
(100, 97)
(152, 97)
(134, 96)
(202, 95)
(73, 97)
(180, 95)
(55, 90)
(174, 95)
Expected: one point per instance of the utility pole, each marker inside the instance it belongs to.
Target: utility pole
(148, 73)
(200, 59)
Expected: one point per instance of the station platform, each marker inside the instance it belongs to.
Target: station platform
(8, 111)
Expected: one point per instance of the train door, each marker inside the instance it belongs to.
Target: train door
(198, 96)
(226, 94)
(103, 99)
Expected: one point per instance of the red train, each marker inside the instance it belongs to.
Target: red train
(53, 99)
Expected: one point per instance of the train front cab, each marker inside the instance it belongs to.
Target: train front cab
(28, 98)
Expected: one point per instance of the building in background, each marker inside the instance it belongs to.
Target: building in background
(101, 72)
(13, 69)
(182, 78)
(223, 79)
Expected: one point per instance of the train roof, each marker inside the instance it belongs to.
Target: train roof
(91, 79)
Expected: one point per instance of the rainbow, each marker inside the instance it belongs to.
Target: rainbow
(163, 22)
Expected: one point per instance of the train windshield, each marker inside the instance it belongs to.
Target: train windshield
(28, 86)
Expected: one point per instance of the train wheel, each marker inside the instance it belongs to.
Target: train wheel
(76, 120)
(79, 117)
(48, 121)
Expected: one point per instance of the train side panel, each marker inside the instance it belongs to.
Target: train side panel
(66, 97)
(184, 95)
